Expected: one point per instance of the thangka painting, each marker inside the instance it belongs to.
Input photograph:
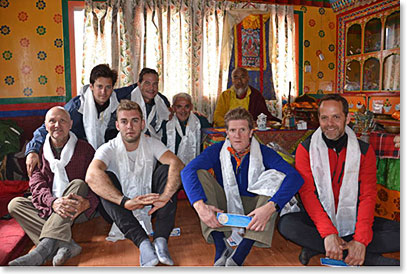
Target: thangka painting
(250, 43)
(250, 51)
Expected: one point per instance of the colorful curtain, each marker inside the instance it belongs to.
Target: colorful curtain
(183, 40)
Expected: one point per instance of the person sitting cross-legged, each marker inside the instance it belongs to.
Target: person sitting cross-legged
(60, 196)
(135, 188)
(339, 195)
(250, 179)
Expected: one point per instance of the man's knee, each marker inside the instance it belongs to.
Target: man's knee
(15, 204)
(80, 186)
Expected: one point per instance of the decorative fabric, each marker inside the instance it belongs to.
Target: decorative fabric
(189, 146)
(344, 217)
(136, 180)
(159, 111)
(95, 127)
(61, 180)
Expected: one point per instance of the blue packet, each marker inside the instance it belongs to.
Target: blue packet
(332, 262)
(237, 220)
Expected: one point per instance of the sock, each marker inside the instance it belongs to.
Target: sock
(44, 249)
(241, 252)
(66, 251)
(161, 249)
(218, 238)
(148, 256)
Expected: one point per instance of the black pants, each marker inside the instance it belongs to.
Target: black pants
(129, 225)
(300, 229)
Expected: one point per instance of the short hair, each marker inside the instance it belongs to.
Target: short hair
(129, 105)
(338, 98)
(183, 95)
(239, 113)
(241, 69)
(103, 70)
(145, 71)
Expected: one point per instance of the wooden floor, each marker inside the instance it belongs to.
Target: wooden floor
(189, 249)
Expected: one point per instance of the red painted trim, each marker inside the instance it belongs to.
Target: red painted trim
(261, 52)
(32, 106)
(239, 44)
(297, 53)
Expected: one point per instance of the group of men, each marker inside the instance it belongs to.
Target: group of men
(125, 153)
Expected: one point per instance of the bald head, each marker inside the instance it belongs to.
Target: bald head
(58, 124)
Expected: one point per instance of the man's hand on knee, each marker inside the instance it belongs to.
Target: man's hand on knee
(261, 216)
(83, 204)
(207, 214)
(65, 207)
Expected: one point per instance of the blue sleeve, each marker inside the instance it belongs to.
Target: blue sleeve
(208, 159)
(77, 118)
(124, 92)
(37, 141)
(292, 181)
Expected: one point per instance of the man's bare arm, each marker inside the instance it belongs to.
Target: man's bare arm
(174, 173)
(100, 182)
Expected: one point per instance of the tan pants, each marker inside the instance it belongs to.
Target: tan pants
(215, 195)
(55, 226)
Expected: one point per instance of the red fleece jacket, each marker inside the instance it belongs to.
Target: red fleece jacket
(367, 190)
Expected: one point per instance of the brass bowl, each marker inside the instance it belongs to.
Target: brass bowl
(392, 129)
(275, 125)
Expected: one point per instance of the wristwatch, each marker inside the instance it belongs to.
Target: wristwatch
(124, 200)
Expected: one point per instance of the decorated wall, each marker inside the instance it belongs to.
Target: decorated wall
(32, 68)
(319, 49)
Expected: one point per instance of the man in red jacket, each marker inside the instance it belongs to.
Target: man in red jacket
(339, 195)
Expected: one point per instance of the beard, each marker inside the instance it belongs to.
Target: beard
(241, 91)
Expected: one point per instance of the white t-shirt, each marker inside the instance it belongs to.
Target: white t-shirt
(106, 154)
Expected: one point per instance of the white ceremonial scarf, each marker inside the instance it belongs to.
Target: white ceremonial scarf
(189, 146)
(138, 181)
(345, 218)
(61, 180)
(160, 108)
(95, 127)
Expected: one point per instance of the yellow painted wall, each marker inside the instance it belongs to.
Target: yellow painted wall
(31, 49)
(319, 26)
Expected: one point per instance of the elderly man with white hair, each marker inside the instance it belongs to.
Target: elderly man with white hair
(182, 134)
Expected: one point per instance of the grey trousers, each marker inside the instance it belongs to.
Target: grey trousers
(215, 195)
(55, 227)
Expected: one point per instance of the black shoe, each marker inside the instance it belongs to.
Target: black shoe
(306, 254)
(376, 259)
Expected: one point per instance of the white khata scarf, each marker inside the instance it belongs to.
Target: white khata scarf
(95, 127)
(268, 185)
(136, 181)
(345, 218)
(189, 147)
(160, 109)
(61, 180)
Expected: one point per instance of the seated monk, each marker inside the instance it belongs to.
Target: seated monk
(240, 95)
